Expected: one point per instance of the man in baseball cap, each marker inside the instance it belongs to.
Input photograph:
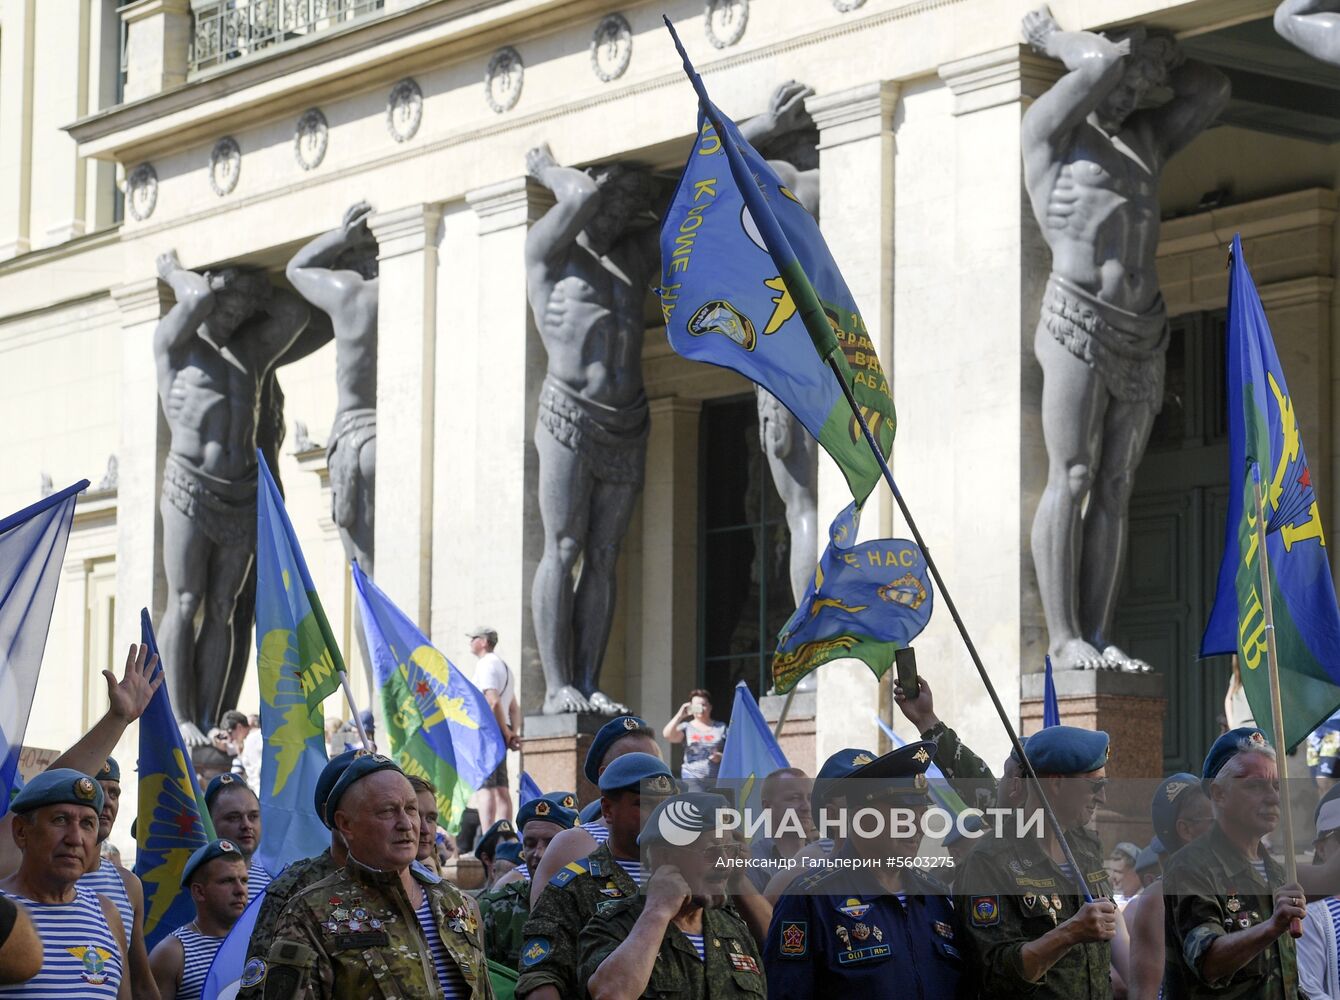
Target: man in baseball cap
(494, 678)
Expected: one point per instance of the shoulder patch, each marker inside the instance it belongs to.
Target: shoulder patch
(535, 951)
(985, 911)
(567, 873)
(253, 973)
(793, 939)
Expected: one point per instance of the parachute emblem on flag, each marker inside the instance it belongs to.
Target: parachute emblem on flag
(906, 590)
(719, 316)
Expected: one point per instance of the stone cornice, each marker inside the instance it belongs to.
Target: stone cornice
(142, 301)
(514, 202)
(405, 230)
(854, 114)
(1001, 76)
(1263, 217)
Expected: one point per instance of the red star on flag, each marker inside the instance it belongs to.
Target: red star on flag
(1305, 480)
(421, 688)
(185, 821)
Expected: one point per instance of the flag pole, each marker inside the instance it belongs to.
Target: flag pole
(1273, 674)
(825, 341)
(786, 707)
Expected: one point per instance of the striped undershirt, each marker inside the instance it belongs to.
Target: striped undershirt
(198, 952)
(598, 831)
(697, 941)
(633, 868)
(82, 958)
(523, 871)
(257, 879)
(1260, 867)
(448, 975)
(106, 879)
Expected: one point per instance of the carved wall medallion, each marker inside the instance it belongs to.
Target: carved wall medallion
(611, 47)
(843, 6)
(725, 21)
(142, 192)
(404, 110)
(503, 79)
(310, 139)
(225, 164)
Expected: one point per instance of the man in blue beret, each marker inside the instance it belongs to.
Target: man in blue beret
(1028, 930)
(505, 908)
(681, 938)
(622, 735)
(1180, 813)
(382, 926)
(1227, 927)
(871, 924)
(55, 828)
(216, 877)
(498, 833)
(630, 787)
(119, 884)
(298, 875)
(236, 814)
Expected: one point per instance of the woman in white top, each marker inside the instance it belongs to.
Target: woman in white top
(704, 738)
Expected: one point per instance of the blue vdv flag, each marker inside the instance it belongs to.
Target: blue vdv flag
(173, 821)
(527, 789)
(751, 752)
(229, 968)
(440, 724)
(866, 600)
(298, 664)
(1051, 708)
(1263, 435)
(32, 549)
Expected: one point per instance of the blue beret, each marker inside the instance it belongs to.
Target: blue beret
(565, 799)
(219, 782)
(204, 855)
(607, 736)
(509, 851)
(543, 809)
(630, 770)
(326, 781)
(899, 774)
(59, 786)
(971, 823)
(364, 763)
(110, 771)
(591, 811)
(1067, 750)
(1167, 803)
(1225, 747)
(681, 819)
(502, 828)
(835, 767)
(19, 784)
(1149, 857)
(366, 718)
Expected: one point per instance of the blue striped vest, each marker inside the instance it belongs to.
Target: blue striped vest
(198, 951)
(105, 879)
(81, 957)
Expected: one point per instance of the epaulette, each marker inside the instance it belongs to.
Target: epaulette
(569, 872)
(810, 881)
(934, 886)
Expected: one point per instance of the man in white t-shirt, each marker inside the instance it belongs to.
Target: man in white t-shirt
(494, 678)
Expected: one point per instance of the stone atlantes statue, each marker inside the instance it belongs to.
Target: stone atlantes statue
(213, 350)
(1093, 154)
(1313, 26)
(589, 262)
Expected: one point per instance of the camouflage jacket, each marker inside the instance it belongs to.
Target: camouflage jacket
(354, 934)
(1210, 889)
(1010, 892)
(731, 966)
(291, 881)
(503, 913)
(549, 953)
(966, 772)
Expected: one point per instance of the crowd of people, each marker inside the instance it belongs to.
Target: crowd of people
(649, 891)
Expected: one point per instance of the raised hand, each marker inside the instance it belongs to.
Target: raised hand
(540, 159)
(667, 892)
(788, 106)
(1039, 25)
(128, 699)
(1096, 921)
(919, 708)
(355, 224)
(168, 264)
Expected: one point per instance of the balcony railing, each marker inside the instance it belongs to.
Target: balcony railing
(230, 29)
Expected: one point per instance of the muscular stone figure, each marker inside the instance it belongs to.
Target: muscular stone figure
(1093, 156)
(213, 351)
(589, 261)
(1311, 25)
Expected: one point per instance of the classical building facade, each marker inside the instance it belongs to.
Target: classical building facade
(234, 132)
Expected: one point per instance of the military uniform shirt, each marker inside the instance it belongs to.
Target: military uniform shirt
(549, 954)
(1015, 894)
(831, 938)
(1210, 888)
(291, 881)
(504, 912)
(730, 966)
(965, 771)
(355, 936)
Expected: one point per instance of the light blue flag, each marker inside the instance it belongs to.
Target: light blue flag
(1051, 708)
(32, 549)
(173, 819)
(224, 979)
(441, 726)
(751, 753)
(298, 665)
(941, 791)
(528, 789)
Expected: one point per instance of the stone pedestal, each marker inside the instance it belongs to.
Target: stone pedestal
(465, 873)
(798, 732)
(1130, 708)
(554, 750)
